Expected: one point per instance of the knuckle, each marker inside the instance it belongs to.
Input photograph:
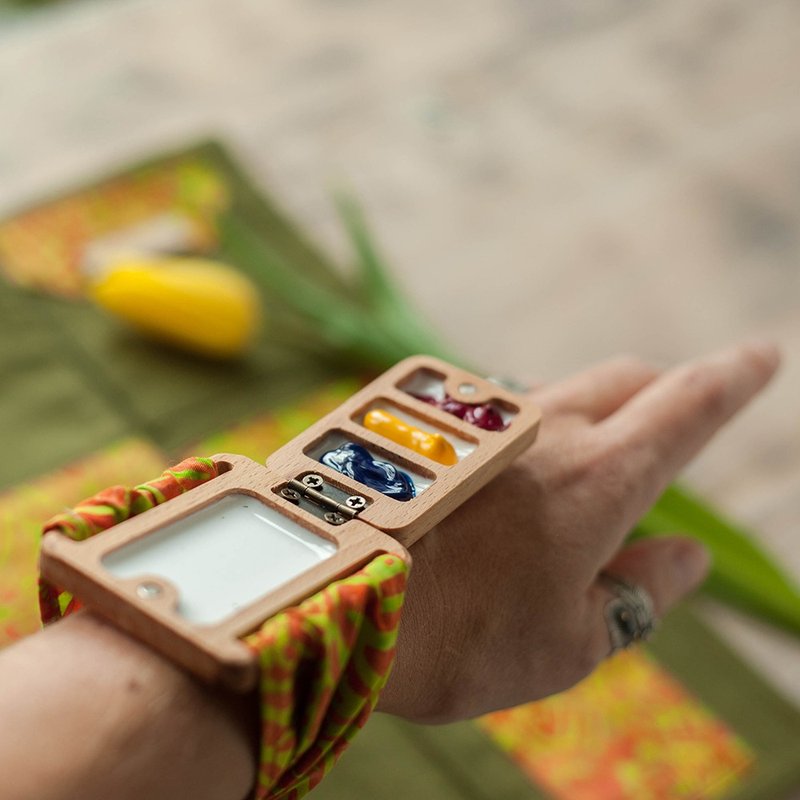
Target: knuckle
(614, 471)
(707, 389)
(635, 367)
(602, 463)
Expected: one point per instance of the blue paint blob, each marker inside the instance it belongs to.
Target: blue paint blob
(357, 463)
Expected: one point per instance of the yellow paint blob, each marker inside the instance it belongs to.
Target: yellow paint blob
(431, 445)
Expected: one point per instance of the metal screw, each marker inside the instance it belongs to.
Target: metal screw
(291, 495)
(334, 518)
(356, 502)
(148, 590)
(314, 481)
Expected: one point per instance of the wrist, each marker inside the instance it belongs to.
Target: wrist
(116, 720)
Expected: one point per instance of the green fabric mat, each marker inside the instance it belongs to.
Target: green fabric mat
(74, 381)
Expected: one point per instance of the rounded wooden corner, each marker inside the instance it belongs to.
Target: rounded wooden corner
(227, 461)
(416, 361)
(239, 669)
(57, 552)
(53, 542)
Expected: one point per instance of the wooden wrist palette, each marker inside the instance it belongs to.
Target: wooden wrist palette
(192, 576)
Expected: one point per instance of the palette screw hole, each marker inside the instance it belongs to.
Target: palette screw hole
(335, 518)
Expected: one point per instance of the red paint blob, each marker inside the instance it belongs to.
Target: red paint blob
(481, 415)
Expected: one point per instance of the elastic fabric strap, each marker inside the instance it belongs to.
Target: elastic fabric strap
(322, 663)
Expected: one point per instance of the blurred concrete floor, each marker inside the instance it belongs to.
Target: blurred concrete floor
(555, 181)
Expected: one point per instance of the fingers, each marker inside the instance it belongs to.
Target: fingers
(664, 426)
(596, 392)
(667, 568)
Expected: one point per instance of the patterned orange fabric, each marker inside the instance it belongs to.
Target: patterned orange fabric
(42, 248)
(629, 731)
(323, 664)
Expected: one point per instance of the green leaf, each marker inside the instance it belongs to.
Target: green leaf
(330, 319)
(376, 332)
(742, 574)
(381, 297)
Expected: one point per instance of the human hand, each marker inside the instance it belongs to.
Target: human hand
(504, 605)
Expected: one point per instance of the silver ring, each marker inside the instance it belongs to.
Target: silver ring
(629, 614)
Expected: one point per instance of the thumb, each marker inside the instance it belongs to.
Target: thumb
(667, 567)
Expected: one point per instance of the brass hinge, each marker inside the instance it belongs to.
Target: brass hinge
(323, 500)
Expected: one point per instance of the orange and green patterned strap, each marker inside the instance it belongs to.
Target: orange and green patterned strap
(323, 663)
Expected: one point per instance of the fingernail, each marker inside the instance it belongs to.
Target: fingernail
(694, 561)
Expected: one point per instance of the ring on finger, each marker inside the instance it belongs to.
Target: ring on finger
(629, 614)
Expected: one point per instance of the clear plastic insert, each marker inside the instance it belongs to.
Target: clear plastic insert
(224, 557)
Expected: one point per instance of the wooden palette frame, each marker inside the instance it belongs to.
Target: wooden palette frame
(408, 520)
(215, 652)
